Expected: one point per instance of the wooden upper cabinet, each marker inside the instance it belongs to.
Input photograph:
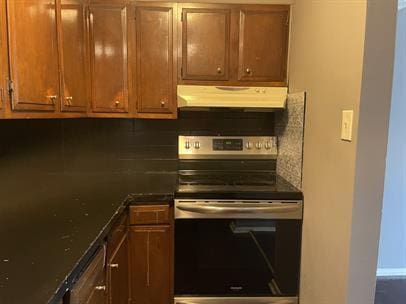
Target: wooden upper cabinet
(33, 54)
(108, 53)
(117, 274)
(263, 43)
(156, 59)
(74, 58)
(205, 43)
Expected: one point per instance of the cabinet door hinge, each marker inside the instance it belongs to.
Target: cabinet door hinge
(181, 17)
(181, 71)
(10, 86)
(287, 20)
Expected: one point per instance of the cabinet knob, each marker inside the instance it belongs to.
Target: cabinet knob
(113, 265)
(248, 71)
(219, 70)
(52, 98)
(163, 102)
(101, 287)
(117, 103)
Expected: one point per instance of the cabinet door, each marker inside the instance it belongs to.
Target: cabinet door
(108, 52)
(150, 254)
(263, 44)
(117, 274)
(33, 53)
(91, 288)
(73, 56)
(205, 43)
(156, 63)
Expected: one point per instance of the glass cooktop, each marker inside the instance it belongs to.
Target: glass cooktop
(224, 178)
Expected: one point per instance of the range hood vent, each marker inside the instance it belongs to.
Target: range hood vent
(248, 98)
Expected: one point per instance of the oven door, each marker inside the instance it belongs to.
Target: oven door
(237, 252)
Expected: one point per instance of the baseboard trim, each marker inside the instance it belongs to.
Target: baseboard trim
(391, 272)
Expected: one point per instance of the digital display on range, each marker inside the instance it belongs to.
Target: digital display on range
(230, 144)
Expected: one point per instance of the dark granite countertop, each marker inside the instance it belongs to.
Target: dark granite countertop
(51, 223)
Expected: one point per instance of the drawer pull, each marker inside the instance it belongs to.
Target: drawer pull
(52, 98)
(113, 265)
(68, 101)
(101, 287)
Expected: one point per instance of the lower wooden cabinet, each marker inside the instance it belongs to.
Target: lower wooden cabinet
(117, 274)
(151, 254)
(106, 279)
(135, 265)
(150, 257)
(91, 286)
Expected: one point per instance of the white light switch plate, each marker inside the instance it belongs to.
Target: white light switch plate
(346, 125)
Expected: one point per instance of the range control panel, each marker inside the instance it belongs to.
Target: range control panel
(227, 147)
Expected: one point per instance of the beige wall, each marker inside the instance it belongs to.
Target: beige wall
(374, 111)
(326, 60)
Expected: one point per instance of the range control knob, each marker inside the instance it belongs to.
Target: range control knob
(187, 145)
(258, 145)
(248, 145)
(268, 145)
(197, 145)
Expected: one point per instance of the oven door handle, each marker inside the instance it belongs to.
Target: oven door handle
(207, 208)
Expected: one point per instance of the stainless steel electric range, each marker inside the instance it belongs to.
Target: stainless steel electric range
(237, 224)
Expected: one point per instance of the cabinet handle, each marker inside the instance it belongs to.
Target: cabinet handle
(101, 287)
(219, 70)
(117, 103)
(163, 102)
(52, 98)
(248, 71)
(68, 101)
(113, 265)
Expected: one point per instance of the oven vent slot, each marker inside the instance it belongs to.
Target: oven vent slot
(248, 226)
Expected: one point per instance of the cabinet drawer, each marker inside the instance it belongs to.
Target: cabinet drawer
(144, 215)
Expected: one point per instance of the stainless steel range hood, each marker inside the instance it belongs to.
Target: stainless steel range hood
(192, 97)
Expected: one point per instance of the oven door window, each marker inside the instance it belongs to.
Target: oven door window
(216, 257)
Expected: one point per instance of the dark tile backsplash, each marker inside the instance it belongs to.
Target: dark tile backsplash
(114, 145)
